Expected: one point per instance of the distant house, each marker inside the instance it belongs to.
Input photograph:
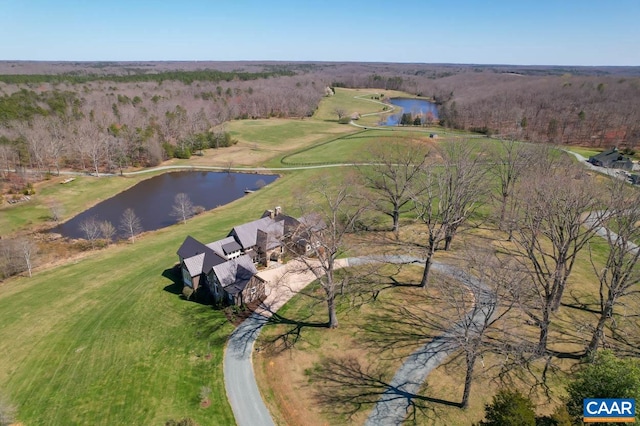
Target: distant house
(611, 159)
(227, 268)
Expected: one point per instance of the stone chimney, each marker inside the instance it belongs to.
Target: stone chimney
(278, 210)
(271, 214)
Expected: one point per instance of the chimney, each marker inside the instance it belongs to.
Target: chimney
(278, 210)
(271, 214)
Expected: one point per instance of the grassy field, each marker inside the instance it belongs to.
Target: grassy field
(292, 393)
(105, 339)
(585, 152)
(350, 101)
(290, 353)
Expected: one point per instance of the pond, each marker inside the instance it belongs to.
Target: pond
(152, 199)
(416, 107)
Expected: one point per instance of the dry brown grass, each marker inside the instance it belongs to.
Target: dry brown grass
(284, 375)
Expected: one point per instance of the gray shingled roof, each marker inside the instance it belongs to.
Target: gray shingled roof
(312, 222)
(246, 233)
(231, 247)
(194, 264)
(197, 257)
(190, 247)
(234, 274)
(217, 245)
(275, 231)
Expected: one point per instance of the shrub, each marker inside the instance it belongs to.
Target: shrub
(187, 292)
(606, 377)
(509, 408)
(29, 190)
(183, 153)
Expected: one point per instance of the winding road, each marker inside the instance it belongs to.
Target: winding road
(242, 390)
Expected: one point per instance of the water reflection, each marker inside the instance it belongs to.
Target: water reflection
(427, 111)
(152, 199)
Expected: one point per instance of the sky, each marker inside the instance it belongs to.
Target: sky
(518, 32)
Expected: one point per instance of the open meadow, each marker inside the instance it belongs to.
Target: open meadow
(105, 338)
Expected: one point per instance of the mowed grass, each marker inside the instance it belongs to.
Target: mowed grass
(585, 152)
(355, 147)
(350, 101)
(284, 135)
(106, 340)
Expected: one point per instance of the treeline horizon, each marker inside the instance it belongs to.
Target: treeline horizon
(105, 116)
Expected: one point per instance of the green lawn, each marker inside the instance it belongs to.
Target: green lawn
(284, 134)
(105, 339)
(348, 100)
(585, 152)
(351, 148)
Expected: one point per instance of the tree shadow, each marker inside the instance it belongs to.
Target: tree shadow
(345, 387)
(290, 336)
(576, 303)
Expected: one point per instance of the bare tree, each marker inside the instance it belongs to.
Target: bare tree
(57, 210)
(182, 207)
(448, 198)
(8, 159)
(433, 212)
(90, 228)
(34, 133)
(464, 187)
(10, 261)
(620, 275)
(468, 304)
(510, 159)
(54, 145)
(92, 142)
(393, 176)
(340, 112)
(558, 217)
(28, 250)
(107, 230)
(130, 224)
(324, 232)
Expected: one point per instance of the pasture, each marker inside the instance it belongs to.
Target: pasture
(104, 338)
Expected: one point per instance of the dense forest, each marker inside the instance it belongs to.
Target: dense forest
(101, 117)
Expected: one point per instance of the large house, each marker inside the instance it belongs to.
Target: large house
(227, 268)
(611, 158)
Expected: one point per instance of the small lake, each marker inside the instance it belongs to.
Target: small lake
(152, 199)
(414, 106)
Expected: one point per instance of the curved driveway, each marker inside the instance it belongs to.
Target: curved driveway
(242, 390)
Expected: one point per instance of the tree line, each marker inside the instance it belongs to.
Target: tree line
(104, 126)
(186, 77)
(586, 106)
